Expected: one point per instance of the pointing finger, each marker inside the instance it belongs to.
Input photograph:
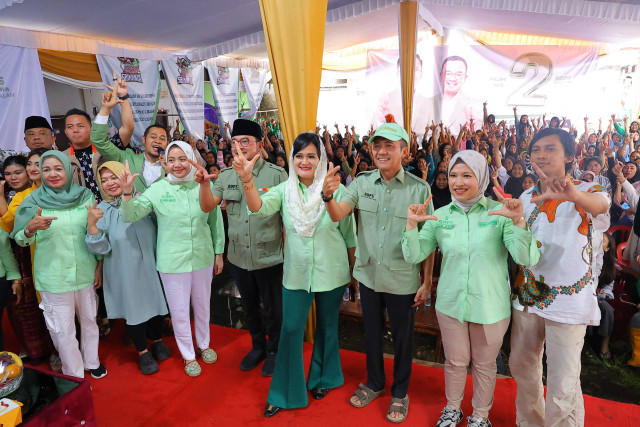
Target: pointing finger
(95, 204)
(498, 194)
(426, 203)
(539, 172)
(39, 213)
(239, 151)
(197, 165)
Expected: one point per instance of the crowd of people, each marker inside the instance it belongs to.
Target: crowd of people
(343, 211)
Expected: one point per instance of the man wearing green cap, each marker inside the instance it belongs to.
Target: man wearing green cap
(387, 281)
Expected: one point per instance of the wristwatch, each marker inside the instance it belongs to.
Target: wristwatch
(124, 97)
(326, 199)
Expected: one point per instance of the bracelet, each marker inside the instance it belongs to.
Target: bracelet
(245, 182)
(124, 97)
(127, 194)
(27, 231)
(248, 187)
(516, 222)
(326, 199)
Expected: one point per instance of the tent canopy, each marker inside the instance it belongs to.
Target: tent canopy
(210, 28)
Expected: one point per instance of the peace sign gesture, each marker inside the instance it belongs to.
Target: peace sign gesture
(418, 213)
(555, 188)
(511, 208)
(127, 179)
(331, 181)
(241, 165)
(201, 176)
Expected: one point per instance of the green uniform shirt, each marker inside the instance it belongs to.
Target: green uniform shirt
(255, 242)
(382, 217)
(100, 140)
(62, 262)
(188, 238)
(314, 264)
(8, 265)
(474, 281)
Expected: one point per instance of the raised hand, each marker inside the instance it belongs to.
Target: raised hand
(617, 170)
(494, 173)
(555, 188)
(241, 165)
(93, 213)
(201, 176)
(418, 213)
(127, 179)
(511, 208)
(39, 222)
(110, 99)
(331, 181)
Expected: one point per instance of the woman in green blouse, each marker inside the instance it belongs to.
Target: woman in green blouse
(189, 248)
(318, 253)
(475, 235)
(55, 217)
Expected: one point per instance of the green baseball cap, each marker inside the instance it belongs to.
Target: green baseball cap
(392, 132)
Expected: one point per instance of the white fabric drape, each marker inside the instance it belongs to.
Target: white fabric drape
(225, 61)
(80, 84)
(7, 3)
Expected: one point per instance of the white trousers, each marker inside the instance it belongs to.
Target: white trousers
(564, 405)
(60, 311)
(179, 288)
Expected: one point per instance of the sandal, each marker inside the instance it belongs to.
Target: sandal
(393, 407)
(605, 355)
(105, 330)
(208, 355)
(365, 395)
(192, 368)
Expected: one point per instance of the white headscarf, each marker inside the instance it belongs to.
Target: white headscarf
(190, 155)
(478, 165)
(305, 215)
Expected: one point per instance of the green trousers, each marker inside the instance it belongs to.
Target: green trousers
(288, 387)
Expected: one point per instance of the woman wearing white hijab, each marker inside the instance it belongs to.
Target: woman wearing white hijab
(189, 249)
(473, 304)
(317, 259)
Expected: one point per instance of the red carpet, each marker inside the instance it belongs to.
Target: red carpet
(225, 396)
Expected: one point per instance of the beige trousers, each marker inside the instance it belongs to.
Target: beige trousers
(564, 405)
(466, 342)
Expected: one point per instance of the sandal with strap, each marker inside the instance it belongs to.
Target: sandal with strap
(393, 407)
(208, 355)
(365, 395)
(192, 368)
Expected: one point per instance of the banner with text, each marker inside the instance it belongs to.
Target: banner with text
(21, 94)
(224, 85)
(452, 82)
(255, 83)
(143, 82)
(186, 85)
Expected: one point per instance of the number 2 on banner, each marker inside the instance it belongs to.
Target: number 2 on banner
(542, 68)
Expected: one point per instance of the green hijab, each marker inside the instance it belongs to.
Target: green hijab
(69, 196)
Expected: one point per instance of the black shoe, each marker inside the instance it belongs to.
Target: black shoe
(269, 364)
(252, 359)
(270, 410)
(160, 351)
(99, 372)
(319, 393)
(147, 365)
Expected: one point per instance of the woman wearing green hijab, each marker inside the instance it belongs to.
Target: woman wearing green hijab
(65, 272)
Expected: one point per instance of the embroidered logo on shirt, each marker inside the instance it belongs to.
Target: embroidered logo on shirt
(167, 198)
(233, 187)
(445, 223)
(369, 196)
(493, 223)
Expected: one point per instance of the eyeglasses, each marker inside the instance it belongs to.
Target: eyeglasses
(244, 142)
(456, 76)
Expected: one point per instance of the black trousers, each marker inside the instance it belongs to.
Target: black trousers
(149, 330)
(4, 289)
(261, 285)
(401, 317)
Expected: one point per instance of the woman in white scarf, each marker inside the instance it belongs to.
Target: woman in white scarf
(318, 253)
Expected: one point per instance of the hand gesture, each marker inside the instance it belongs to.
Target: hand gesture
(2, 183)
(16, 287)
(494, 173)
(127, 179)
(613, 117)
(617, 170)
(201, 176)
(331, 181)
(511, 208)
(418, 213)
(515, 110)
(39, 222)
(484, 104)
(555, 188)
(241, 165)
(93, 213)
(109, 99)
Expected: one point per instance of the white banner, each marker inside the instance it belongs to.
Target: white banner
(186, 85)
(255, 83)
(21, 94)
(224, 85)
(452, 82)
(143, 81)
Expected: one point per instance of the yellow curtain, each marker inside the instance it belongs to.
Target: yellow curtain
(407, 37)
(294, 35)
(74, 65)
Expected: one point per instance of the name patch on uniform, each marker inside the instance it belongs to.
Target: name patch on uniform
(167, 198)
(492, 223)
(369, 196)
(445, 223)
(233, 187)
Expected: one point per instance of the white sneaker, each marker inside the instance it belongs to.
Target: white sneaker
(450, 417)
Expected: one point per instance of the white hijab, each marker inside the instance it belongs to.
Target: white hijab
(190, 155)
(478, 165)
(305, 214)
